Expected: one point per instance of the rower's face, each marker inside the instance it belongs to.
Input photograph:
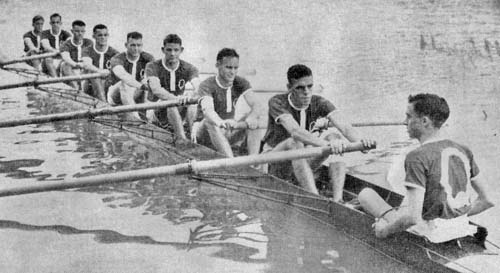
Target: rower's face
(413, 122)
(302, 90)
(55, 23)
(78, 32)
(172, 52)
(38, 26)
(134, 47)
(228, 68)
(101, 36)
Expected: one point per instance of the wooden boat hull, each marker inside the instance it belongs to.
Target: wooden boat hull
(404, 247)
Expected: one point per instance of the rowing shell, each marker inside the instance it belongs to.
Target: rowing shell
(454, 256)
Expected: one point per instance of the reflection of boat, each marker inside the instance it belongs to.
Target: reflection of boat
(451, 256)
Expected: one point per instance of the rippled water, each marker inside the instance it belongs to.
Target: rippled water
(367, 57)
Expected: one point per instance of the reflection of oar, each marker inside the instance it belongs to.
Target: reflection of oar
(184, 168)
(54, 80)
(30, 58)
(244, 125)
(90, 113)
(244, 72)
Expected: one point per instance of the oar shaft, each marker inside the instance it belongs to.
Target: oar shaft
(90, 113)
(185, 168)
(54, 80)
(244, 125)
(30, 58)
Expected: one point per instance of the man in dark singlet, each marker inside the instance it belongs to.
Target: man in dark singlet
(32, 40)
(440, 177)
(52, 40)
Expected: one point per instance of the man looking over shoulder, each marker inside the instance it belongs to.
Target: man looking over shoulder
(167, 79)
(97, 58)
(128, 69)
(220, 96)
(440, 177)
(51, 42)
(71, 51)
(291, 115)
(32, 40)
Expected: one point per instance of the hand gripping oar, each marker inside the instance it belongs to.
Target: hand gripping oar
(54, 80)
(191, 167)
(29, 58)
(90, 113)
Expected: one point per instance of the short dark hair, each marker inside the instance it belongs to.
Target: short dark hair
(99, 26)
(172, 39)
(78, 23)
(55, 15)
(431, 105)
(227, 52)
(134, 35)
(37, 18)
(297, 71)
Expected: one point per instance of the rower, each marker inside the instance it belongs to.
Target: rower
(168, 78)
(71, 51)
(291, 115)
(51, 42)
(126, 84)
(32, 40)
(223, 97)
(97, 58)
(440, 177)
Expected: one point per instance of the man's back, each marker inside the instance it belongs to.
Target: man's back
(444, 169)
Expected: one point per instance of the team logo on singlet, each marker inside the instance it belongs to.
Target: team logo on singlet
(108, 64)
(142, 73)
(181, 84)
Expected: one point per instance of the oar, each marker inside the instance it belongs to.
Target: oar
(184, 168)
(54, 80)
(90, 113)
(30, 58)
(244, 125)
(244, 72)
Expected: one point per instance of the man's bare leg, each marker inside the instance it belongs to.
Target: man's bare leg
(98, 89)
(51, 69)
(218, 139)
(336, 173)
(67, 70)
(175, 119)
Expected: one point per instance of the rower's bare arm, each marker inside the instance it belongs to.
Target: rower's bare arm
(208, 109)
(403, 218)
(46, 45)
(298, 133)
(125, 77)
(67, 59)
(160, 92)
(482, 201)
(337, 120)
(258, 110)
(87, 65)
(30, 45)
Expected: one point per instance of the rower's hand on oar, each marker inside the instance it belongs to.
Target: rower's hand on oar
(380, 227)
(252, 122)
(183, 100)
(338, 146)
(367, 143)
(228, 124)
(34, 51)
(103, 71)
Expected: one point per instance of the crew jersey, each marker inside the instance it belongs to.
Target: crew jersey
(280, 105)
(35, 38)
(224, 98)
(56, 40)
(75, 51)
(443, 169)
(136, 69)
(102, 60)
(174, 81)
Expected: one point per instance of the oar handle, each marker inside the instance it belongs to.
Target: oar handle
(30, 58)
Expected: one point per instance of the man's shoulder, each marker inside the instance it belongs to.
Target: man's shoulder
(241, 83)
(46, 33)
(147, 56)
(87, 42)
(28, 34)
(279, 99)
(113, 51)
(208, 83)
(186, 65)
(122, 56)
